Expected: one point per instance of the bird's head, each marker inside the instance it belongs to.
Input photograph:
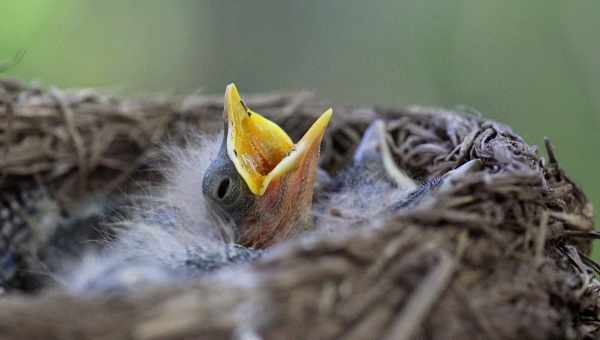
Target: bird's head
(261, 182)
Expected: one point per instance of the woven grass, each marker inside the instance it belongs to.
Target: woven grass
(501, 254)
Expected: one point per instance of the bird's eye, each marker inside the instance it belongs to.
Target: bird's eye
(225, 191)
(223, 188)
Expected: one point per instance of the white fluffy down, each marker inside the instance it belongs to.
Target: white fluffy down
(170, 225)
(362, 197)
(166, 226)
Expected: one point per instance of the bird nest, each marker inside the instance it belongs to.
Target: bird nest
(500, 254)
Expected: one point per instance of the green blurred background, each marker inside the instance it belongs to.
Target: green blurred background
(533, 64)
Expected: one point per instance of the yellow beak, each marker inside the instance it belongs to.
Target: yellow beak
(260, 150)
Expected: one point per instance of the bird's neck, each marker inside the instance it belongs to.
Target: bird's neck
(284, 211)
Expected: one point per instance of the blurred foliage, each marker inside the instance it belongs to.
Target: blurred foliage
(532, 64)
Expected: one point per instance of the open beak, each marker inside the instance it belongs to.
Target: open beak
(260, 150)
(278, 173)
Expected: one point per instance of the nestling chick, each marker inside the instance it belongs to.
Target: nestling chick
(261, 183)
(221, 205)
(226, 201)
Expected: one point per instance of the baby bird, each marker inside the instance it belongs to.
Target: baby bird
(256, 191)
(261, 183)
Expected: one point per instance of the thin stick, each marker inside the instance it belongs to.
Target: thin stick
(69, 118)
(419, 306)
(540, 241)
